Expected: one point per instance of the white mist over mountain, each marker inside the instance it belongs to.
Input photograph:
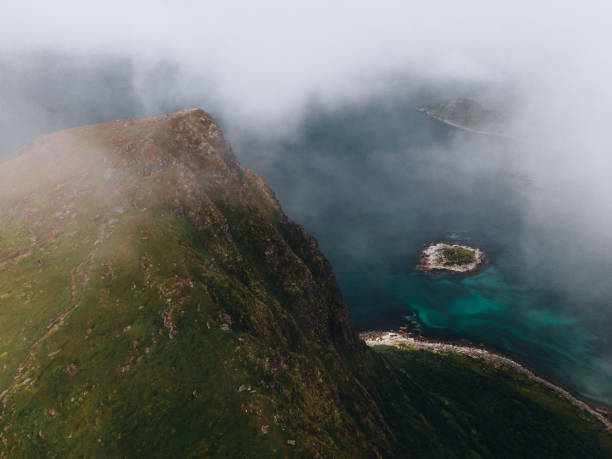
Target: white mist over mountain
(261, 66)
(267, 59)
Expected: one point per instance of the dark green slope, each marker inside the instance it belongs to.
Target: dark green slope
(156, 301)
(479, 409)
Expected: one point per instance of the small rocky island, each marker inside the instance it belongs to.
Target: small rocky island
(450, 257)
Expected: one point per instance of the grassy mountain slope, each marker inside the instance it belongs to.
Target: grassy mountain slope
(155, 300)
(479, 409)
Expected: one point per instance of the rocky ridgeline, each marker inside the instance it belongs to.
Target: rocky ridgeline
(156, 264)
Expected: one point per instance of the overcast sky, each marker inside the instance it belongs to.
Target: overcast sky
(259, 64)
(266, 58)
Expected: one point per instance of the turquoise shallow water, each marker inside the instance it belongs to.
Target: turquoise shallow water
(376, 183)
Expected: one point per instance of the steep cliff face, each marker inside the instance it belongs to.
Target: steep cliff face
(155, 300)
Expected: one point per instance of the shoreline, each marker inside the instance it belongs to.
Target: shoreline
(398, 338)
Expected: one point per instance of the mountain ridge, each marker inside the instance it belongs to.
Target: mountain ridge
(185, 164)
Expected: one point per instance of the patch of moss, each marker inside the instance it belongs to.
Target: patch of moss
(457, 256)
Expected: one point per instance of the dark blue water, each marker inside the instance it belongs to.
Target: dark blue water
(375, 183)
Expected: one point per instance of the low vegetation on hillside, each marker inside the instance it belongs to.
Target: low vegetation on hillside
(457, 256)
(480, 409)
(156, 301)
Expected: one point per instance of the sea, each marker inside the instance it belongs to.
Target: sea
(378, 181)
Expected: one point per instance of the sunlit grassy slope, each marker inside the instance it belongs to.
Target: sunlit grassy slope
(155, 301)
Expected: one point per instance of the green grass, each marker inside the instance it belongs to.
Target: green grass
(457, 256)
(126, 259)
(478, 409)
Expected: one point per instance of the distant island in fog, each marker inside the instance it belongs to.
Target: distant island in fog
(469, 115)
